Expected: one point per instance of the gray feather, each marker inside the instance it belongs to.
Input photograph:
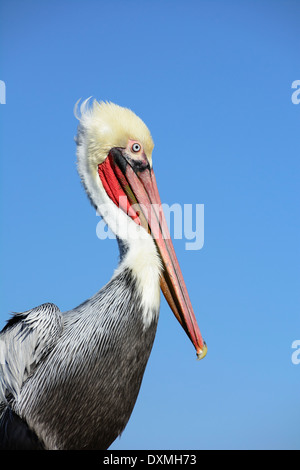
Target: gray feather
(82, 393)
(25, 340)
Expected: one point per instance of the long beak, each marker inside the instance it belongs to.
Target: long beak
(143, 205)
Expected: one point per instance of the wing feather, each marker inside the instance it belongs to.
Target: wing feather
(24, 342)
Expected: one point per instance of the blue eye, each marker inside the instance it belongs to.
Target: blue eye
(136, 147)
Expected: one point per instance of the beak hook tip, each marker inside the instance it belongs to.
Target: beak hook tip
(202, 352)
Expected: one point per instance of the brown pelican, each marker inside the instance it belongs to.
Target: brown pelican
(70, 380)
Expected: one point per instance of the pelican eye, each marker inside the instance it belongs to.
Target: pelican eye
(136, 147)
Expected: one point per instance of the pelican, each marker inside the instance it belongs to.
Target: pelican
(70, 380)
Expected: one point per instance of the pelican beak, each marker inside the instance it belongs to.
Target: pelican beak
(120, 176)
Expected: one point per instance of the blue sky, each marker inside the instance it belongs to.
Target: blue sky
(212, 80)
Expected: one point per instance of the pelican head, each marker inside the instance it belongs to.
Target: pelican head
(114, 150)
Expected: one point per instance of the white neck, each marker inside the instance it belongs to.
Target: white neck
(141, 256)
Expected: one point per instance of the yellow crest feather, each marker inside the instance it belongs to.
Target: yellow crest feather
(106, 125)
